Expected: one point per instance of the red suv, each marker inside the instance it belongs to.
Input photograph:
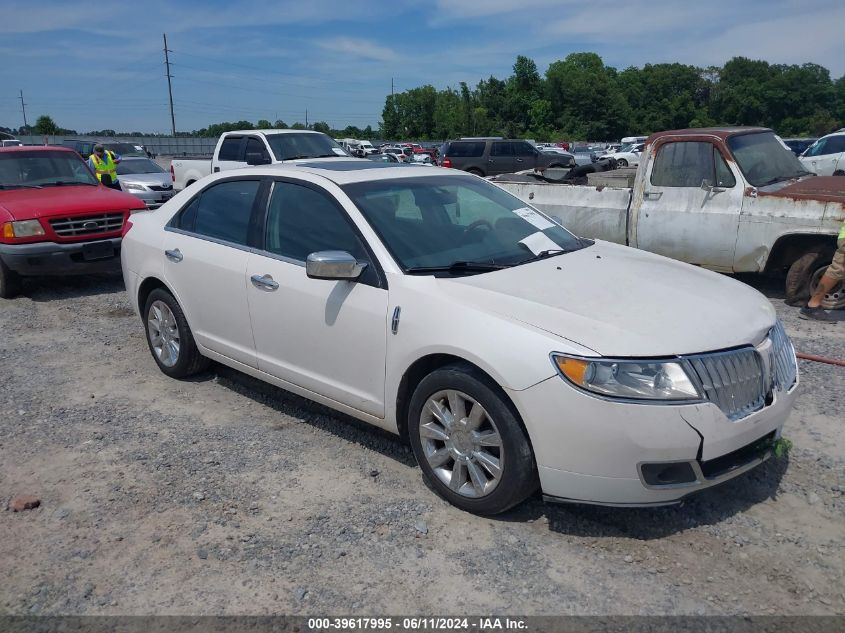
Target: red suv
(55, 217)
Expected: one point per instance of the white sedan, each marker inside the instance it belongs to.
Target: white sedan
(511, 354)
(626, 156)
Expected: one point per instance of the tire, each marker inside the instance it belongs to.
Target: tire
(498, 444)
(10, 282)
(621, 162)
(839, 172)
(797, 287)
(476, 172)
(833, 300)
(163, 329)
(557, 166)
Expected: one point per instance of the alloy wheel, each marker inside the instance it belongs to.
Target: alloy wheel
(163, 333)
(461, 443)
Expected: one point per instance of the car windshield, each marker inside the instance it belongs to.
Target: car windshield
(764, 159)
(127, 149)
(145, 166)
(625, 148)
(43, 169)
(295, 145)
(460, 223)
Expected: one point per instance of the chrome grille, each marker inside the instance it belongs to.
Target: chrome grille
(87, 225)
(734, 381)
(783, 358)
(160, 187)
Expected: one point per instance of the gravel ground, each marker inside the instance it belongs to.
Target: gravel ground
(222, 495)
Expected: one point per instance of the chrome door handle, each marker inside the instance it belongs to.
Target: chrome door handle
(652, 195)
(264, 282)
(175, 255)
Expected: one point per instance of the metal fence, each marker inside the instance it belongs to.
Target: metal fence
(159, 145)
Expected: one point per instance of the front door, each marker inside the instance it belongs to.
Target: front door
(825, 157)
(206, 254)
(691, 206)
(326, 336)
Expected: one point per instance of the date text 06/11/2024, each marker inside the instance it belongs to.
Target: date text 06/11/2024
(416, 624)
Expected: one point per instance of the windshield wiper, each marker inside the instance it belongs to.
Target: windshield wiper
(331, 156)
(59, 183)
(11, 185)
(776, 179)
(457, 267)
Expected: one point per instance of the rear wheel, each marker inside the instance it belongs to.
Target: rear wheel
(475, 171)
(10, 282)
(833, 300)
(801, 273)
(469, 443)
(621, 162)
(169, 336)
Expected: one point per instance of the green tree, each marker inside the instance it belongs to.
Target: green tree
(264, 124)
(321, 126)
(280, 125)
(45, 125)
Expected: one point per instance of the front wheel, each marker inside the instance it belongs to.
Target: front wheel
(169, 337)
(476, 172)
(10, 282)
(801, 273)
(833, 300)
(468, 442)
(621, 162)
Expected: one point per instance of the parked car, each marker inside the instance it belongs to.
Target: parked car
(627, 155)
(384, 158)
(398, 152)
(729, 199)
(55, 218)
(85, 147)
(584, 154)
(492, 156)
(826, 157)
(330, 280)
(145, 179)
(798, 145)
(255, 147)
(10, 142)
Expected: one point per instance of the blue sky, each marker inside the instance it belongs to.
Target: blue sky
(100, 65)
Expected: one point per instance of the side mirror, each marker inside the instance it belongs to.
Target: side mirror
(707, 186)
(333, 265)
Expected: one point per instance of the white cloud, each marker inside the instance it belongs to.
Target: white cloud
(358, 48)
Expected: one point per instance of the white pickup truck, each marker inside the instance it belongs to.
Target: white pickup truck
(727, 199)
(255, 147)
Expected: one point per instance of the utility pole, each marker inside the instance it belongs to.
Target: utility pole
(169, 87)
(391, 86)
(23, 109)
(306, 118)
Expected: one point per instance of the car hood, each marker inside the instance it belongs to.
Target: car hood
(822, 188)
(157, 179)
(66, 200)
(623, 302)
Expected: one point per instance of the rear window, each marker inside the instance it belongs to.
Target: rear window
(465, 150)
(223, 211)
(229, 148)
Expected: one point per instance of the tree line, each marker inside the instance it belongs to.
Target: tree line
(582, 98)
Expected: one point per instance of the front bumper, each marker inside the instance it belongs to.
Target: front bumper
(52, 258)
(591, 450)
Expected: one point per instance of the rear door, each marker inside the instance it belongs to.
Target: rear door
(524, 156)
(691, 205)
(500, 158)
(206, 248)
(825, 157)
(325, 336)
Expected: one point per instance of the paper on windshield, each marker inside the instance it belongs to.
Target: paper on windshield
(531, 216)
(539, 242)
(338, 151)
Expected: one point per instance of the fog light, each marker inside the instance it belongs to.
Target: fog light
(667, 474)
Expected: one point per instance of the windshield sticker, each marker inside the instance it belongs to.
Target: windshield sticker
(539, 242)
(534, 218)
(338, 151)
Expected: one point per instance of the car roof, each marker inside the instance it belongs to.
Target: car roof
(342, 172)
(39, 148)
(721, 132)
(274, 131)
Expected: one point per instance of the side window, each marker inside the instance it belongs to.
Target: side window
(229, 148)
(224, 210)
(187, 216)
(836, 144)
(683, 164)
(724, 175)
(302, 221)
(465, 150)
(255, 148)
(501, 149)
(523, 149)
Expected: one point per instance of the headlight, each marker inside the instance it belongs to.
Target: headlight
(630, 379)
(131, 186)
(24, 228)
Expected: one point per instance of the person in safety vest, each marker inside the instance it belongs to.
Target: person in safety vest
(104, 163)
(832, 276)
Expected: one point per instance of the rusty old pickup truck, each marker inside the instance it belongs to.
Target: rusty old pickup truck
(728, 199)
